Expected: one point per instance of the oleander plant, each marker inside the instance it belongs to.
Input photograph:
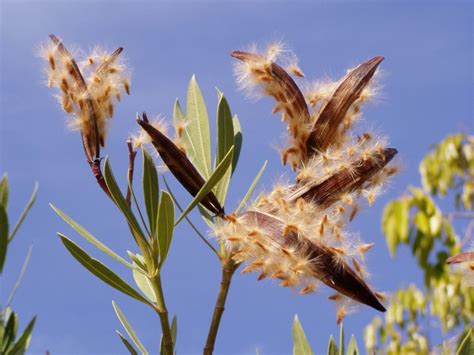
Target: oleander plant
(295, 232)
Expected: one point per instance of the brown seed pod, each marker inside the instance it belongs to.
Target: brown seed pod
(333, 113)
(338, 276)
(180, 166)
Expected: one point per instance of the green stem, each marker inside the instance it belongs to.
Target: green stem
(163, 314)
(228, 270)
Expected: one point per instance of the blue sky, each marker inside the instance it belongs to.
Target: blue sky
(427, 93)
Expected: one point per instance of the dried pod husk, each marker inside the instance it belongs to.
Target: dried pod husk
(461, 258)
(346, 180)
(332, 114)
(337, 275)
(180, 166)
(289, 99)
(89, 129)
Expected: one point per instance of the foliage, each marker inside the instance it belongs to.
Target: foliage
(302, 347)
(153, 231)
(335, 171)
(10, 341)
(417, 221)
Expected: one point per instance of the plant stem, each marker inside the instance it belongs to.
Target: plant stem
(228, 269)
(131, 166)
(163, 314)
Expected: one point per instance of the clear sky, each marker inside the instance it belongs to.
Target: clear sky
(427, 93)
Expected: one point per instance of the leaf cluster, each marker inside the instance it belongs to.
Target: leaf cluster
(11, 341)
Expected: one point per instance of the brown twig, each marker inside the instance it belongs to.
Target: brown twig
(97, 172)
(228, 269)
(131, 165)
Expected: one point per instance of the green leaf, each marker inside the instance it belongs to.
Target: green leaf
(251, 187)
(90, 238)
(395, 222)
(138, 261)
(20, 277)
(4, 191)
(332, 347)
(189, 221)
(127, 344)
(165, 225)
(466, 344)
(225, 141)
(341, 339)
(209, 185)
(150, 189)
(352, 348)
(100, 270)
(128, 328)
(25, 211)
(237, 141)
(300, 343)
(142, 280)
(22, 343)
(119, 200)
(3, 236)
(174, 330)
(10, 333)
(196, 136)
(178, 114)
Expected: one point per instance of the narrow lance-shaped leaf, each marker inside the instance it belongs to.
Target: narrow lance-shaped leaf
(352, 348)
(174, 330)
(3, 236)
(89, 237)
(142, 280)
(196, 135)
(465, 345)
(127, 344)
(20, 277)
(128, 328)
(178, 114)
(300, 343)
(180, 166)
(238, 138)
(174, 333)
(119, 200)
(138, 260)
(165, 225)
(209, 185)
(251, 187)
(331, 116)
(4, 191)
(24, 340)
(9, 333)
(25, 212)
(225, 141)
(100, 270)
(150, 189)
(332, 347)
